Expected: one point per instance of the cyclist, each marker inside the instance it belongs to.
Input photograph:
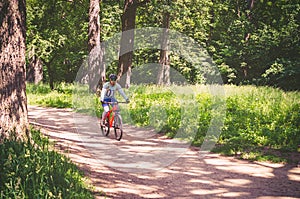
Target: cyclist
(108, 94)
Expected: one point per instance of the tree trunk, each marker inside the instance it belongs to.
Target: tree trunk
(96, 67)
(50, 70)
(163, 77)
(34, 73)
(127, 40)
(13, 102)
(50, 74)
(102, 69)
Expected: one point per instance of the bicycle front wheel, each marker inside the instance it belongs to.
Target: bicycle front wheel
(118, 127)
(105, 128)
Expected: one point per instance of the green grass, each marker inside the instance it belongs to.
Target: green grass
(42, 95)
(263, 117)
(256, 117)
(262, 154)
(37, 171)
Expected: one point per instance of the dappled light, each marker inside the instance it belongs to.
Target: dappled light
(192, 175)
(210, 104)
(294, 174)
(233, 165)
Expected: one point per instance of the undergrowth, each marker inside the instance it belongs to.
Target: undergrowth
(36, 171)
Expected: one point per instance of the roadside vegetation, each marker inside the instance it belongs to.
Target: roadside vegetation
(35, 170)
(260, 123)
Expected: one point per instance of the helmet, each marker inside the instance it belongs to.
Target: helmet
(112, 77)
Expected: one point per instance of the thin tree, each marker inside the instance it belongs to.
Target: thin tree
(34, 73)
(96, 66)
(13, 102)
(250, 6)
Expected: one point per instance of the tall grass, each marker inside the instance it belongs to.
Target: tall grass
(256, 117)
(36, 171)
(264, 117)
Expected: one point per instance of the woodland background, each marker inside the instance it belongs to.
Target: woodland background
(252, 42)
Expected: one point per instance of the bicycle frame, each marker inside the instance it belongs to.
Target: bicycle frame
(113, 110)
(113, 119)
(111, 113)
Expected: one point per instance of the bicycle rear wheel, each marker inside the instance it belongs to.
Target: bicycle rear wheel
(118, 127)
(105, 129)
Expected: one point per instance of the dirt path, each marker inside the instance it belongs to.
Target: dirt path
(144, 165)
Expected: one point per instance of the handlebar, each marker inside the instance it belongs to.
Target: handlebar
(115, 102)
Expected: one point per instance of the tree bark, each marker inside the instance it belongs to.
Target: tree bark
(96, 65)
(127, 39)
(163, 77)
(34, 73)
(13, 101)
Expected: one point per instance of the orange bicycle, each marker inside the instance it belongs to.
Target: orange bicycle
(113, 120)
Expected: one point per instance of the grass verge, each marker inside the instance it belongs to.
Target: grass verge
(36, 171)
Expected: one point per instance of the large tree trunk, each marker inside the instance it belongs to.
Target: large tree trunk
(163, 77)
(96, 66)
(13, 102)
(127, 40)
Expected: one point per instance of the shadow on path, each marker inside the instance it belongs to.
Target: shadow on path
(146, 165)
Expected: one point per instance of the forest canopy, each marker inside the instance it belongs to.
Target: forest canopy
(251, 42)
